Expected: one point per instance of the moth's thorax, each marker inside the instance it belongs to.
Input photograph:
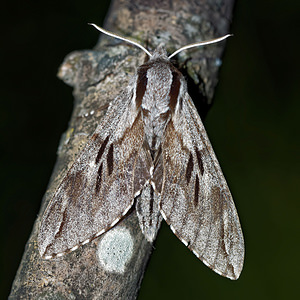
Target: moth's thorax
(157, 94)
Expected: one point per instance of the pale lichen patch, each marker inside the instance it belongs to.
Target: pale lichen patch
(115, 250)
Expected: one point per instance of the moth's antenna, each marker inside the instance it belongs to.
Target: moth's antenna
(121, 38)
(200, 44)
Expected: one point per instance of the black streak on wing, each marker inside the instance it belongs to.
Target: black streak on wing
(180, 103)
(174, 90)
(196, 197)
(110, 159)
(189, 169)
(99, 178)
(151, 204)
(101, 150)
(200, 163)
(59, 232)
(141, 84)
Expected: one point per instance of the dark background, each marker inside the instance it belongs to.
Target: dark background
(252, 126)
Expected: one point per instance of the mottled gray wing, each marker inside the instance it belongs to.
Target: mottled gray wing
(195, 199)
(99, 188)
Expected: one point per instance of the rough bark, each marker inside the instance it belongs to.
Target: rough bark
(97, 76)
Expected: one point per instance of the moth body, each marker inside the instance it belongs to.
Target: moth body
(157, 85)
(150, 150)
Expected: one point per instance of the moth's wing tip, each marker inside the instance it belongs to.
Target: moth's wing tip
(45, 250)
(237, 275)
(234, 275)
(236, 271)
(43, 253)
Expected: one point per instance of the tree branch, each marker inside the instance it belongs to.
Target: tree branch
(112, 266)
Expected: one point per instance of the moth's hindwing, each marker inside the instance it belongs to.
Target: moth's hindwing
(195, 199)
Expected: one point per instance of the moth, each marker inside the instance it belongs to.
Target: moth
(151, 150)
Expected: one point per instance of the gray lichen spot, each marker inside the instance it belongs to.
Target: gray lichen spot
(115, 250)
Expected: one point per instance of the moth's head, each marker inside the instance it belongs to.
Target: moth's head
(160, 51)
